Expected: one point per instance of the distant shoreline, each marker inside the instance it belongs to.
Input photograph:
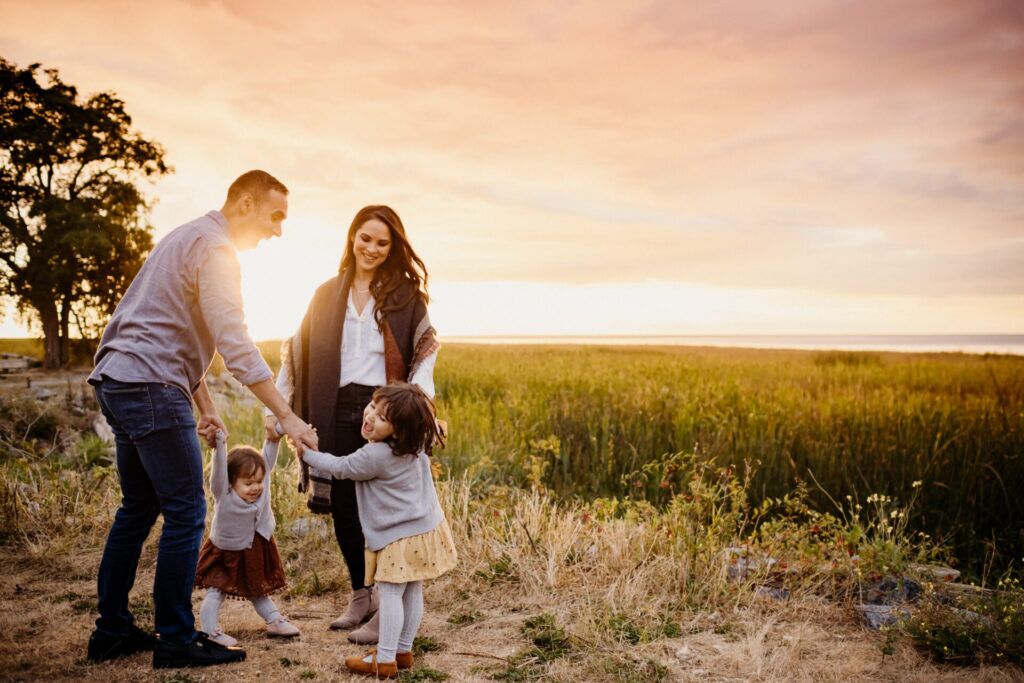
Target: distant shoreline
(1004, 344)
(1012, 344)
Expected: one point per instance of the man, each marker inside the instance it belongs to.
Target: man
(184, 304)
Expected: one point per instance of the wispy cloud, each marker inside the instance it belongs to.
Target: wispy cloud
(851, 148)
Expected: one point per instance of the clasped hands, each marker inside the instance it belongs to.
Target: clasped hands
(300, 434)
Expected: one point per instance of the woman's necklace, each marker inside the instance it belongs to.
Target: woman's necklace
(360, 297)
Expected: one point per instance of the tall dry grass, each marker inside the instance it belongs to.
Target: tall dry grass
(548, 587)
(579, 420)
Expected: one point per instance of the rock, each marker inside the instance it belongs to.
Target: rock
(935, 572)
(306, 525)
(740, 562)
(967, 589)
(972, 616)
(771, 593)
(877, 616)
(102, 428)
(892, 591)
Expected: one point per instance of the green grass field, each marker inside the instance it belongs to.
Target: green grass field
(580, 421)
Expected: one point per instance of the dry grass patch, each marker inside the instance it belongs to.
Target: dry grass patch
(546, 589)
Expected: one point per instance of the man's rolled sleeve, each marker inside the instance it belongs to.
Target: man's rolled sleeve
(220, 298)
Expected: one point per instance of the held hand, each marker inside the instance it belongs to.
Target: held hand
(271, 429)
(208, 425)
(301, 435)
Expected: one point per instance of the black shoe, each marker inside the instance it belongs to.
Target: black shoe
(106, 646)
(202, 652)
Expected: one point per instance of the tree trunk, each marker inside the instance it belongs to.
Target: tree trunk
(65, 342)
(51, 335)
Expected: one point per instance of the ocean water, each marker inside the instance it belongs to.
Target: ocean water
(917, 343)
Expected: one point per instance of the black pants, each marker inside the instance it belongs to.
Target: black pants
(348, 419)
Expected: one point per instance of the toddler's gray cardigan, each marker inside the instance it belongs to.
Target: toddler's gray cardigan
(235, 521)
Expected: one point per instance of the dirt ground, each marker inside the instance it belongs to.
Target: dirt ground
(49, 610)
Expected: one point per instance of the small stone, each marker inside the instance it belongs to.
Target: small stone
(306, 525)
(893, 591)
(740, 562)
(877, 616)
(771, 593)
(935, 572)
(972, 616)
(102, 428)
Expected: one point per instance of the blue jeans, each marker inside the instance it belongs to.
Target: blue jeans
(160, 467)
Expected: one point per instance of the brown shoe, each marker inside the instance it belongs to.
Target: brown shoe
(373, 667)
(368, 633)
(403, 659)
(361, 606)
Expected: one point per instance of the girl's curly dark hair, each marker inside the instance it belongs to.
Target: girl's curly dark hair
(412, 414)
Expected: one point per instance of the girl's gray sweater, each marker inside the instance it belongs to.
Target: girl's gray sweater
(235, 522)
(395, 493)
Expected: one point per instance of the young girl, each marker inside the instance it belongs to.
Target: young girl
(240, 558)
(407, 536)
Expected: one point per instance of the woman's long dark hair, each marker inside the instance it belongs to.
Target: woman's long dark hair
(401, 269)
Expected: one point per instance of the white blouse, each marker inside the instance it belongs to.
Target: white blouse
(362, 347)
(362, 356)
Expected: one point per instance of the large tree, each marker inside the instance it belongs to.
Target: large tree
(73, 221)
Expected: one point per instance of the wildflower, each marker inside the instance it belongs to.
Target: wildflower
(917, 484)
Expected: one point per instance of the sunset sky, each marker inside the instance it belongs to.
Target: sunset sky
(594, 167)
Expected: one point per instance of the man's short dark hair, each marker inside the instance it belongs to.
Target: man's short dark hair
(257, 183)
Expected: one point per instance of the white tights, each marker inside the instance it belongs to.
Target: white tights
(209, 611)
(401, 611)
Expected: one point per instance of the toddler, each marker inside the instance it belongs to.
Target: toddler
(240, 558)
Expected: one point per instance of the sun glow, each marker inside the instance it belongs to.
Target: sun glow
(710, 170)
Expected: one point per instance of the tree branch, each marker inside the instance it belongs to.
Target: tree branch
(72, 190)
(11, 263)
(93, 178)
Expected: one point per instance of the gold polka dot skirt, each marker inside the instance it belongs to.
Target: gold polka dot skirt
(415, 558)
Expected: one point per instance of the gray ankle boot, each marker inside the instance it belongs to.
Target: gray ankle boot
(368, 633)
(361, 606)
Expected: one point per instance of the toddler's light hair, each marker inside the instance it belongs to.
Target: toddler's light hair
(244, 461)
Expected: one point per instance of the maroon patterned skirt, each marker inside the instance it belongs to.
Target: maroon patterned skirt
(252, 573)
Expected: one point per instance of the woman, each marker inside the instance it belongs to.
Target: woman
(365, 327)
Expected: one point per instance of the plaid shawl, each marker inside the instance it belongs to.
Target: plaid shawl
(315, 355)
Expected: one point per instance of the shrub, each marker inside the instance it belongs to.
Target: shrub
(984, 627)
